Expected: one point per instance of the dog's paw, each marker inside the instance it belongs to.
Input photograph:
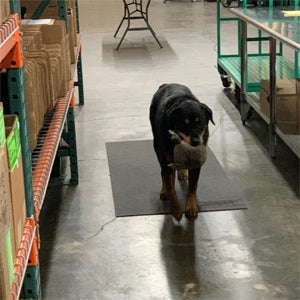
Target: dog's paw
(163, 195)
(191, 213)
(177, 215)
(182, 174)
(176, 210)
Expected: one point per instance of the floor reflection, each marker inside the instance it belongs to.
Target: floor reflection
(179, 256)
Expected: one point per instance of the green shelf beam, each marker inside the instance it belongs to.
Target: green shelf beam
(31, 288)
(69, 148)
(39, 11)
(77, 14)
(15, 7)
(79, 82)
(62, 11)
(72, 146)
(17, 105)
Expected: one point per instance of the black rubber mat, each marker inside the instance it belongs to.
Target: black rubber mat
(136, 182)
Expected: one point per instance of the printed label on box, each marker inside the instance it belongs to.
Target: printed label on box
(2, 129)
(10, 262)
(12, 151)
(18, 138)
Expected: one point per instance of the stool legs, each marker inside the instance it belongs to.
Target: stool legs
(150, 28)
(124, 17)
(153, 33)
(131, 16)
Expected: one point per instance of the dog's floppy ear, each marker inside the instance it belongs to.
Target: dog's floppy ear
(209, 112)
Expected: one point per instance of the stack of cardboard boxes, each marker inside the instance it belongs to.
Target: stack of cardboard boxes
(47, 69)
(287, 104)
(12, 199)
(52, 12)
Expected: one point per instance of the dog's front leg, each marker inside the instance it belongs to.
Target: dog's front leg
(191, 208)
(182, 174)
(168, 191)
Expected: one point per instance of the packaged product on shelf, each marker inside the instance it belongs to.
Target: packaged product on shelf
(47, 69)
(39, 88)
(7, 239)
(7, 247)
(4, 10)
(16, 177)
(287, 104)
(52, 12)
(55, 34)
(56, 42)
(32, 108)
(33, 46)
(55, 51)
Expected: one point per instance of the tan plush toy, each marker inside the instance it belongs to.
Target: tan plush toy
(185, 155)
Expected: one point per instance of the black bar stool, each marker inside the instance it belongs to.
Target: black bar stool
(134, 10)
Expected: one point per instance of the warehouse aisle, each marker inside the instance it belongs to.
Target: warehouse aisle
(87, 253)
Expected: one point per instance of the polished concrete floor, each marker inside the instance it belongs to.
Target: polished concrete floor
(88, 253)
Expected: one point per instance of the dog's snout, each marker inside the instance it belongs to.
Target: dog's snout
(195, 140)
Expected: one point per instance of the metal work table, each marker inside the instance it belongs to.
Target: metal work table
(270, 20)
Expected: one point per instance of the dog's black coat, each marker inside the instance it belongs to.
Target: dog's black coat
(171, 106)
(175, 108)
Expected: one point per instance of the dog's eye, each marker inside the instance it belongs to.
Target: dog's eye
(187, 121)
(197, 120)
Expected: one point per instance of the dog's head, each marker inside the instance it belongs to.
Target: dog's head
(189, 119)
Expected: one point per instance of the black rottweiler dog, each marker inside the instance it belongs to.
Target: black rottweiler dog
(175, 108)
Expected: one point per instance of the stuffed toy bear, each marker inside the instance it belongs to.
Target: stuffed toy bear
(185, 155)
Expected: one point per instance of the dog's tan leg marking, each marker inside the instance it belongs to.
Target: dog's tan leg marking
(168, 192)
(191, 208)
(182, 174)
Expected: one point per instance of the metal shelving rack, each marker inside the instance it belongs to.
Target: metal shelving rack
(37, 166)
(256, 66)
(229, 65)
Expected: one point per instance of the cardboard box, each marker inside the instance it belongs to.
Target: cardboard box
(52, 38)
(16, 177)
(7, 253)
(55, 35)
(287, 104)
(4, 10)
